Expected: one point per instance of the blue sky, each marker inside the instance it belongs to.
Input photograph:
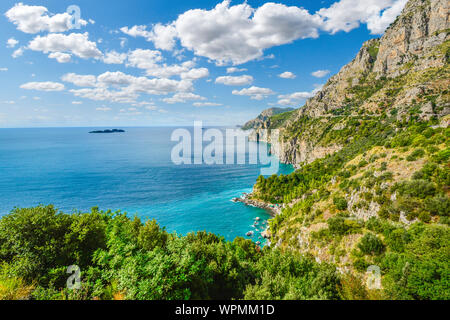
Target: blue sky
(155, 63)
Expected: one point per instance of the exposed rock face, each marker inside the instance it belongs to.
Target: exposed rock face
(409, 45)
(407, 68)
(422, 27)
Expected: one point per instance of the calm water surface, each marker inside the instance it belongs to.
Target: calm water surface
(131, 171)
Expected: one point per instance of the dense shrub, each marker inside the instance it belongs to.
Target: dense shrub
(343, 226)
(340, 203)
(416, 154)
(417, 188)
(122, 258)
(371, 244)
(421, 270)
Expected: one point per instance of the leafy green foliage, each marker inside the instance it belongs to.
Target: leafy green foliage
(371, 244)
(122, 258)
(342, 226)
(414, 260)
(419, 268)
(340, 203)
(293, 277)
(416, 154)
(40, 241)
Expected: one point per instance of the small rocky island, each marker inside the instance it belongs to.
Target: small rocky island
(108, 131)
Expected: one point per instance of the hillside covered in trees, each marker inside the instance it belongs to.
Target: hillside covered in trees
(372, 152)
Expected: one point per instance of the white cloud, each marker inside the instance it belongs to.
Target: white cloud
(320, 73)
(104, 109)
(239, 33)
(43, 86)
(77, 102)
(377, 24)
(103, 94)
(11, 43)
(4, 69)
(115, 79)
(60, 57)
(287, 75)
(207, 104)
(18, 53)
(195, 74)
(296, 97)
(80, 80)
(160, 86)
(8, 102)
(114, 57)
(235, 81)
(149, 60)
(232, 34)
(137, 31)
(234, 70)
(35, 19)
(77, 44)
(123, 88)
(183, 97)
(347, 15)
(162, 36)
(166, 71)
(144, 59)
(254, 93)
(143, 103)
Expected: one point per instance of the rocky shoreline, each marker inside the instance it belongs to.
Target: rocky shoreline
(274, 210)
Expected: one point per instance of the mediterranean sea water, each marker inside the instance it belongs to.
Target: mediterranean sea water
(131, 172)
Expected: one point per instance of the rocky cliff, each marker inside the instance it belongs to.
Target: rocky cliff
(405, 72)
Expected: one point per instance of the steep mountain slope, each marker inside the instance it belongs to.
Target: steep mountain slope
(405, 71)
(372, 149)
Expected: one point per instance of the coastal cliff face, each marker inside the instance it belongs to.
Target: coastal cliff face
(405, 70)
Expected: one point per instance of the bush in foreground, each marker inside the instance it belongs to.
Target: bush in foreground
(122, 258)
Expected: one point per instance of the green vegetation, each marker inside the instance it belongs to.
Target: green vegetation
(122, 258)
(396, 171)
(371, 244)
(373, 49)
(373, 189)
(278, 120)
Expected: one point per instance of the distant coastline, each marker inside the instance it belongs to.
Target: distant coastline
(108, 131)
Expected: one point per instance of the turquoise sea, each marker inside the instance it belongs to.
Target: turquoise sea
(130, 171)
